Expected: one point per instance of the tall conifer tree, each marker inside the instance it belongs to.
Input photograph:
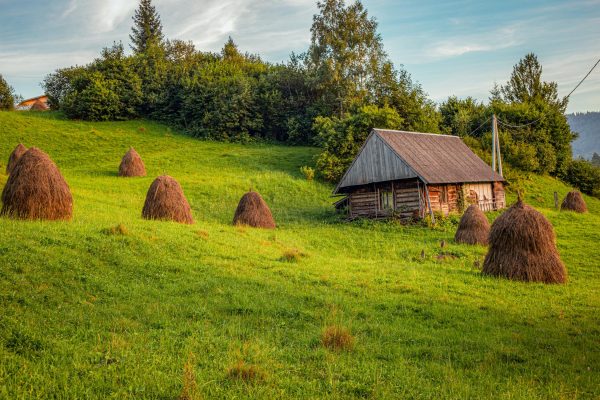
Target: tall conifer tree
(147, 28)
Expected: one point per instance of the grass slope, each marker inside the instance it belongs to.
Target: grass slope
(87, 312)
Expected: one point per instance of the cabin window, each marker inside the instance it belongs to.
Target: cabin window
(386, 200)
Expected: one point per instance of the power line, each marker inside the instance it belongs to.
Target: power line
(584, 78)
(479, 127)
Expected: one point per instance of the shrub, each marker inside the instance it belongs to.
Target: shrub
(585, 176)
(308, 172)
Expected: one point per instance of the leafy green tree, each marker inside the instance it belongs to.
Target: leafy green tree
(147, 28)
(596, 160)
(526, 86)
(346, 54)
(342, 137)
(460, 117)
(59, 84)
(7, 99)
(532, 112)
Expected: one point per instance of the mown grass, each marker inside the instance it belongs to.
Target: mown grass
(112, 306)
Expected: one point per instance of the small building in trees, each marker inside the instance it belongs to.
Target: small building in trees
(39, 103)
(411, 174)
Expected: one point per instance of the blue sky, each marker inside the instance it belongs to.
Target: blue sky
(450, 47)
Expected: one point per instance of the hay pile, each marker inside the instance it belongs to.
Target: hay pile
(165, 201)
(132, 164)
(14, 157)
(523, 247)
(39, 106)
(36, 189)
(473, 228)
(574, 202)
(253, 211)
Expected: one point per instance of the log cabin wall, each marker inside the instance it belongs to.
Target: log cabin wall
(383, 199)
(444, 198)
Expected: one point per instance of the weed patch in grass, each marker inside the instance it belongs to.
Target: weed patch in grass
(117, 230)
(246, 372)
(292, 256)
(337, 338)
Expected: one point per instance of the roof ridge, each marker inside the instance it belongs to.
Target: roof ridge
(414, 133)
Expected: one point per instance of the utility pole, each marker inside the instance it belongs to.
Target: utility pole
(496, 157)
(494, 143)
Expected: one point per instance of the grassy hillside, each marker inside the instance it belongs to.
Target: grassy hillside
(91, 313)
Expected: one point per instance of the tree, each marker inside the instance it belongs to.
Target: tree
(596, 160)
(7, 97)
(342, 137)
(460, 117)
(346, 54)
(526, 86)
(147, 28)
(532, 113)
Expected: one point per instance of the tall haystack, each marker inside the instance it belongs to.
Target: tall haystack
(39, 106)
(165, 201)
(253, 211)
(132, 164)
(574, 202)
(14, 157)
(523, 247)
(36, 190)
(474, 227)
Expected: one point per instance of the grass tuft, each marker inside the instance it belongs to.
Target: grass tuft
(190, 388)
(117, 230)
(292, 256)
(337, 338)
(246, 372)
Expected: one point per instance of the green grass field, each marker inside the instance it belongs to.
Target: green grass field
(86, 313)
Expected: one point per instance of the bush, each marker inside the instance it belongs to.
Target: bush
(308, 172)
(585, 176)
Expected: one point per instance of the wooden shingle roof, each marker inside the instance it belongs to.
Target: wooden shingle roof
(435, 159)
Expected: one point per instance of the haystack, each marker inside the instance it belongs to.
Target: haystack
(132, 164)
(574, 202)
(253, 211)
(39, 106)
(36, 190)
(473, 228)
(523, 247)
(165, 201)
(14, 157)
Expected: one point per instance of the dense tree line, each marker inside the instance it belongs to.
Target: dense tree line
(330, 96)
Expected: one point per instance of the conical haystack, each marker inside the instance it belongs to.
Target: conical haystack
(523, 247)
(39, 106)
(132, 164)
(36, 190)
(474, 227)
(253, 211)
(574, 202)
(165, 201)
(14, 157)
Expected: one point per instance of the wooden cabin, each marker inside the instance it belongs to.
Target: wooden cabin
(411, 174)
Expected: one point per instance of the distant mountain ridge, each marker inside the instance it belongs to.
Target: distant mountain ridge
(587, 125)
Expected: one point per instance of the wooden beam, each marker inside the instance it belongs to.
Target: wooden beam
(429, 204)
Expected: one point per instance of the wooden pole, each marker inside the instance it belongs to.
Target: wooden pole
(498, 146)
(494, 143)
(429, 204)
